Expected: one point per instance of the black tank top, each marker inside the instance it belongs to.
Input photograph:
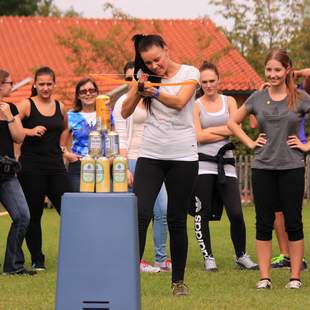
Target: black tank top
(43, 154)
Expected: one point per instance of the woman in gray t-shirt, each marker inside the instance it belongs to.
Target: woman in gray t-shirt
(168, 152)
(278, 165)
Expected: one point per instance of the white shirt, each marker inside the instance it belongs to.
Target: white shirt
(169, 134)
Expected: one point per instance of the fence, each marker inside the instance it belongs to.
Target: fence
(243, 166)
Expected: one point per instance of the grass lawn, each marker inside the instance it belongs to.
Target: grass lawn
(230, 288)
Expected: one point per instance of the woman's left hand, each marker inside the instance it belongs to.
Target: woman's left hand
(149, 92)
(294, 143)
(5, 111)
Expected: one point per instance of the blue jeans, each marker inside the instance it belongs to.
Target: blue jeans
(160, 227)
(13, 200)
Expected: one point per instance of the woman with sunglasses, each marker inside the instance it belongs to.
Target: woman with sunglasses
(168, 152)
(11, 194)
(81, 121)
(43, 172)
(130, 131)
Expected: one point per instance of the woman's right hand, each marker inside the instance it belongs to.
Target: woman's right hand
(37, 131)
(129, 178)
(71, 157)
(259, 142)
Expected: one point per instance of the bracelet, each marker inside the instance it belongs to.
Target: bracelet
(157, 93)
(11, 121)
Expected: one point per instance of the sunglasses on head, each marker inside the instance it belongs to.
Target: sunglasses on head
(91, 91)
(128, 78)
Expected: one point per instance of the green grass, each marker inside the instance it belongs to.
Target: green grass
(230, 288)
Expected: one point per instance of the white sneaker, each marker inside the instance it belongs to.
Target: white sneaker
(264, 284)
(210, 264)
(165, 266)
(146, 267)
(293, 284)
(245, 262)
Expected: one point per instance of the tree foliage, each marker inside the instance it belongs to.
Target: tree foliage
(34, 7)
(18, 7)
(259, 25)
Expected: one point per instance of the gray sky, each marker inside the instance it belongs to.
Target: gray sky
(170, 9)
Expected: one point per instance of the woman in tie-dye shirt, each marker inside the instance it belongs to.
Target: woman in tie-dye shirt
(80, 122)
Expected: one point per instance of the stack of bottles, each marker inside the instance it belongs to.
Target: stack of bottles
(103, 149)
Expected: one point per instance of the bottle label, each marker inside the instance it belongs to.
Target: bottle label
(88, 173)
(119, 172)
(99, 173)
(95, 145)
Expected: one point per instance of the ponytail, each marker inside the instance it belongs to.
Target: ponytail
(34, 91)
(292, 91)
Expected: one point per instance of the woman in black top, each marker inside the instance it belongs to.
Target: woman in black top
(43, 171)
(11, 194)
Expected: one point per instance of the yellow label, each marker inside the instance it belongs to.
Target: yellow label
(87, 179)
(102, 176)
(120, 175)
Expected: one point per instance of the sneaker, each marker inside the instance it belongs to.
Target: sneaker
(280, 261)
(38, 267)
(245, 262)
(293, 284)
(23, 272)
(179, 289)
(264, 284)
(165, 266)
(146, 267)
(210, 264)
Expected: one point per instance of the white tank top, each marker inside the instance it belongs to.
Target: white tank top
(208, 119)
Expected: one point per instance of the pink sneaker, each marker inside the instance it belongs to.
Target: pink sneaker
(146, 267)
(165, 266)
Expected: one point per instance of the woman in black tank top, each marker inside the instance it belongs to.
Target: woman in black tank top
(43, 171)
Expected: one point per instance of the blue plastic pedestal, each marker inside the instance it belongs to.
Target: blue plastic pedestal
(98, 261)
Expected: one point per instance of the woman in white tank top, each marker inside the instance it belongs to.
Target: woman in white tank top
(216, 187)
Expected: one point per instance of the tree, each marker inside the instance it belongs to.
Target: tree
(91, 53)
(34, 7)
(49, 8)
(18, 7)
(259, 25)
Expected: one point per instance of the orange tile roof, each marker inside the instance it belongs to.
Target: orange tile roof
(30, 42)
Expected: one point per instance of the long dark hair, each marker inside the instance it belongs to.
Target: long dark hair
(282, 56)
(207, 66)
(77, 101)
(143, 43)
(39, 72)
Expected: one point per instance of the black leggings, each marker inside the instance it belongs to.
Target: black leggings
(179, 178)
(36, 187)
(230, 195)
(278, 190)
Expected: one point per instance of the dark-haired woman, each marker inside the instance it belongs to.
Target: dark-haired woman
(11, 194)
(211, 114)
(278, 167)
(80, 122)
(43, 171)
(168, 152)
